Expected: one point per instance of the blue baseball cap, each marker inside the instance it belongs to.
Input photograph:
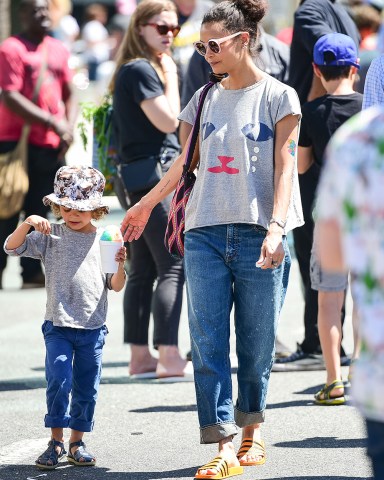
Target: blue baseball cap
(342, 47)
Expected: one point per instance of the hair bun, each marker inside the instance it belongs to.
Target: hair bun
(255, 10)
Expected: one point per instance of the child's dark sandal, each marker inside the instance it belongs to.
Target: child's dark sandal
(49, 460)
(80, 458)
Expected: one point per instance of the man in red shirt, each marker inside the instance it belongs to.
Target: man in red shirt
(51, 115)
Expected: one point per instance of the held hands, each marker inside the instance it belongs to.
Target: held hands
(272, 251)
(134, 222)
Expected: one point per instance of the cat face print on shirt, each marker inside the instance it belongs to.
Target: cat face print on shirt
(254, 133)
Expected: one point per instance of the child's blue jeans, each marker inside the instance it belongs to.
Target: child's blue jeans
(72, 365)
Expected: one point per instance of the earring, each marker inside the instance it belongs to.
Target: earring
(245, 45)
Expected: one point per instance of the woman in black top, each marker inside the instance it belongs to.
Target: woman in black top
(146, 105)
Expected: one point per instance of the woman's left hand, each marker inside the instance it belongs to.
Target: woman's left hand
(272, 251)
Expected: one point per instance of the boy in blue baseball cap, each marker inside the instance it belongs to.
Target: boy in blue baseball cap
(336, 63)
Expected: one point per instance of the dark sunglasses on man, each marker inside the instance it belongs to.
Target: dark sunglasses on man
(163, 29)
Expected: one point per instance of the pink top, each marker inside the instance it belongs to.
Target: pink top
(20, 63)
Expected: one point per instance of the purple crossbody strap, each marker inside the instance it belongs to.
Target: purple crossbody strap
(196, 127)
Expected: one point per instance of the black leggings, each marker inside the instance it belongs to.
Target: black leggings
(150, 262)
(43, 163)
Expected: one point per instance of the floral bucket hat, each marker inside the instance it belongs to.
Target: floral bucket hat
(79, 188)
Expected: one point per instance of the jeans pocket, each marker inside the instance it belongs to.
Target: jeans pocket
(103, 333)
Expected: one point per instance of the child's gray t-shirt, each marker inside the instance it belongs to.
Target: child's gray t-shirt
(235, 179)
(76, 286)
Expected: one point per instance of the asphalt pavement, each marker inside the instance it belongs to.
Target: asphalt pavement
(148, 430)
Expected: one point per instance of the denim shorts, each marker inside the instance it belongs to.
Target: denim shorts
(326, 281)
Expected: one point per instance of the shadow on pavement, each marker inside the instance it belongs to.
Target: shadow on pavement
(105, 365)
(167, 408)
(39, 382)
(301, 403)
(325, 442)
(292, 403)
(29, 472)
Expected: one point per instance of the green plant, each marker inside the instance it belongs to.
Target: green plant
(100, 116)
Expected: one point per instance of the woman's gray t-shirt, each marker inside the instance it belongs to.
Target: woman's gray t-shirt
(76, 286)
(235, 180)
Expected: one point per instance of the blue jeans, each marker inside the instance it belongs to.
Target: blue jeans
(375, 432)
(221, 273)
(72, 365)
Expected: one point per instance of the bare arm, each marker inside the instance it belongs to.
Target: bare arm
(286, 138)
(162, 111)
(304, 159)
(17, 238)
(328, 245)
(118, 278)
(184, 132)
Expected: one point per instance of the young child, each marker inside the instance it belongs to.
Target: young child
(74, 328)
(336, 64)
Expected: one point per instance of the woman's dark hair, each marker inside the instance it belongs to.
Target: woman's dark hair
(239, 16)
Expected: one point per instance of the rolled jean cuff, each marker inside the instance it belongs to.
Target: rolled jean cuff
(243, 419)
(81, 425)
(217, 432)
(56, 422)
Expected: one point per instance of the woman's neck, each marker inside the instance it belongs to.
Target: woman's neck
(242, 77)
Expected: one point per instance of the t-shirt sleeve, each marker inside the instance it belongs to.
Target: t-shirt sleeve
(188, 115)
(304, 137)
(34, 246)
(11, 68)
(289, 104)
(142, 81)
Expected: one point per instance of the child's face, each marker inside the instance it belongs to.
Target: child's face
(76, 220)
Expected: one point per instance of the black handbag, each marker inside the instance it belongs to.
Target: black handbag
(140, 174)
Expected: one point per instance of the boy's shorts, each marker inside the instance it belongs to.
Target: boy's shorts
(326, 281)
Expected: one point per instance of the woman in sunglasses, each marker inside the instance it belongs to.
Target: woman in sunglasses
(245, 200)
(145, 109)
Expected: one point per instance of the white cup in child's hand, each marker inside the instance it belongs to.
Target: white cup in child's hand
(111, 241)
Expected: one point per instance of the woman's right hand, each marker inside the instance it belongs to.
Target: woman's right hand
(134, 222)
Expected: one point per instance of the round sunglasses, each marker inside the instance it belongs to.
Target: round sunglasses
(213, 44)
(164, 29)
